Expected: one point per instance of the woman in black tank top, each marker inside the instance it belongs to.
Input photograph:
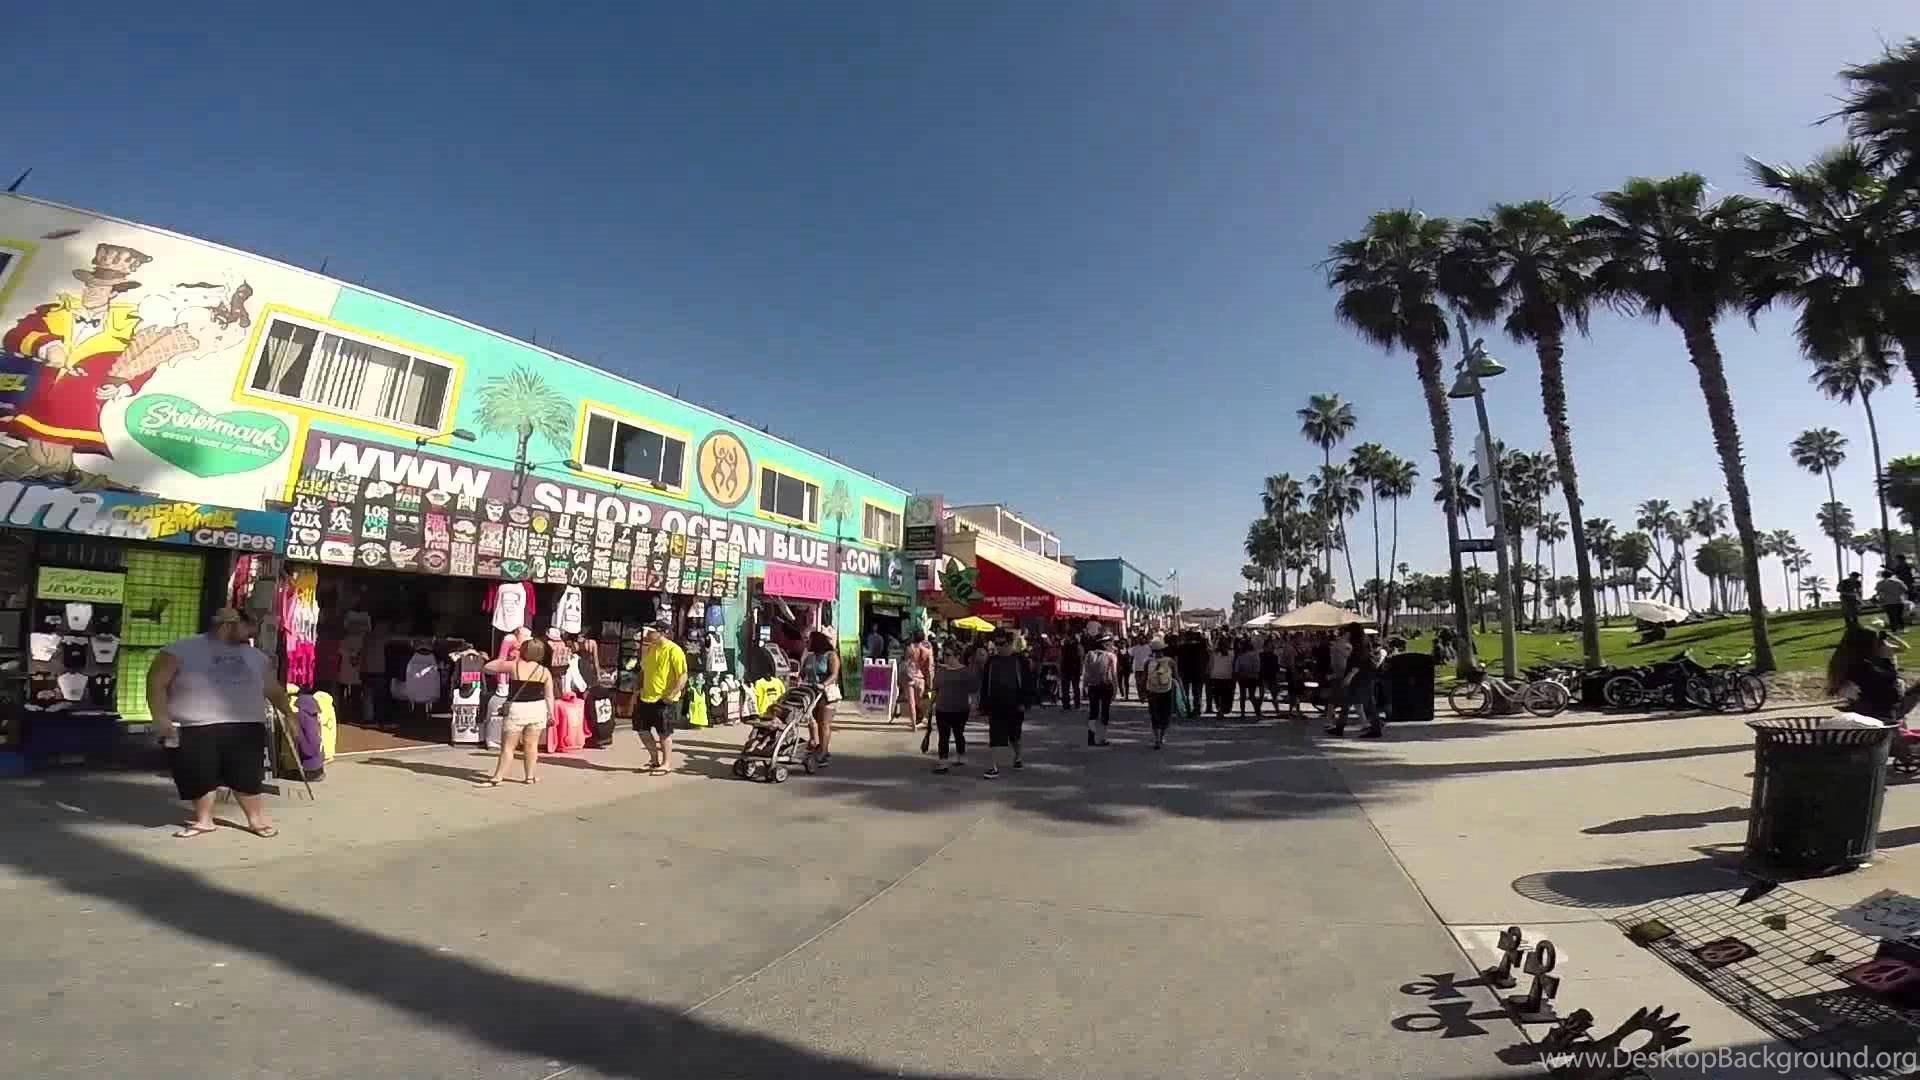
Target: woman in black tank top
(529, 706)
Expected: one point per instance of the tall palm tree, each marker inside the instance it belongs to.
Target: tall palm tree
(1842, 240)
(1542, 476)
(1553, 530)
(1902, 489)
(1520, 496)
(1632, 553)
(1337, 497)
(1820, 451)
(1392, 281)
(1705, 518)
(1326, 421)
(1668, 253)
(1366, 463)
(1812, 588)
(1529, 263)
(1882, 108)
(1600, 535)
(1457, 495)
(1836, 522)
(1852, 375)
(1651, 518)
(1781, 544)
(1397, 480)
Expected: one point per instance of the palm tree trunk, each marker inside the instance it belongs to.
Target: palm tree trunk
(1427, 363)
(1346, 548)
(1705, 353)
(1393, 557)
(1785, 583)
(1839, 556)
(1553, 394)
(1373, 498)
(1879, 476)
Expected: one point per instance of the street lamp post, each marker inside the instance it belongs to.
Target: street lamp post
(1475, 365)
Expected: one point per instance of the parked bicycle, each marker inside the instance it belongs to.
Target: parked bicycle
(1683, 682)
(1482, 689)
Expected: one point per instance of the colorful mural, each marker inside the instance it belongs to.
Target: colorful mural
(140, 360)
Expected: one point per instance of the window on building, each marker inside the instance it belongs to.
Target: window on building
(789, 496)
(627, 449)
(882, 526)
(330, 371)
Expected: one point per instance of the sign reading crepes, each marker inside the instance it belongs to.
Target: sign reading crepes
(126, 516)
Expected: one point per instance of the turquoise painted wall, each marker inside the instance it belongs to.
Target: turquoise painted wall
(487, 356)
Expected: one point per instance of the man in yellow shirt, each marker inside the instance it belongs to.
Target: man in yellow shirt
(663, 678)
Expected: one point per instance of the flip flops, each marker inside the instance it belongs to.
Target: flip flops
(190, 830)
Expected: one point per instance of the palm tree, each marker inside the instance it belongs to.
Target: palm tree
(1396, 481)
(1705, 518)
(1632, 552)
(1365, 464)
(1836, 522)
(1337, 497)
(1842, 241)
(1902, 489)
(1812, 587)
(1326, 422)
(1553, 530)
(1529, 263)
(1540, 473)
(1781, 544)
(1798, 561)
(1820, 451)
(1392, 280)
(1882, 109)
(1652, 517)
(1670, 254)
(1846, 377)
(1456, 495)
(522, 404)
(1600, 535)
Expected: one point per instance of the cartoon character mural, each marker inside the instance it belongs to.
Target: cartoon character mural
(86, 349)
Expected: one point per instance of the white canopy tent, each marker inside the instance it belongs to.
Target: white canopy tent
(1260, 622)
(1318, 615)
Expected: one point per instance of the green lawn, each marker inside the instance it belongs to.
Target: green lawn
(1802, 641)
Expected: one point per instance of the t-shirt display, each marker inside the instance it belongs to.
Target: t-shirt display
(509, 602)
(73, 686)
(566, 613)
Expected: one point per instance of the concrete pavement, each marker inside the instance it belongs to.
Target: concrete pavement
(1219, 909)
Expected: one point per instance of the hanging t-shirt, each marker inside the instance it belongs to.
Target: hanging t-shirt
(73, 686)
(356, 622)
(79, 616)
(566, 614)
(42, 647)
(423, 678)
(73, 653)
(100, 691)
(105, 648)
(511, 604)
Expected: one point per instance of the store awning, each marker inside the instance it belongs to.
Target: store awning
(1007, 592)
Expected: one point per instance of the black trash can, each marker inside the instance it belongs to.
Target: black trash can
(1817, 791)
(1409, 679)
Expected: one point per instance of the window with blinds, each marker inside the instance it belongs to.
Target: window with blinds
(331, 371)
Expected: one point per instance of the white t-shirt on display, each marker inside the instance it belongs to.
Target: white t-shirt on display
(566, 614)
(79, 617)
(73, 686)
(509, 607)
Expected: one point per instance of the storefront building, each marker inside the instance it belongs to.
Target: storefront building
(1013, 573)
(1143, 597)
(423, 471)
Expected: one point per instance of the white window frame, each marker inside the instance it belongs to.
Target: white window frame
(266, 337)
(812, 522)
(677, 486)
(868, 506)
(16, 259)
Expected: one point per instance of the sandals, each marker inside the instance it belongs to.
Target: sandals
(190, 830)
(264, 832)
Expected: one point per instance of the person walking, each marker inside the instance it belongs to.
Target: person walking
(1102, 671)
(1333, 679)
(1141, 652)
(1158, 682)
(1123, 659)
(1269, 673)
(1362, 668)
(1190, 657)
(1006, 685)
(1891, 595)
(208, 696)
(919, 661)
(1850, 590)
(1246, 677)
(821, 667)
(1220, 677)
(954, 689)
(529, 698)
(663, 679)
(1072, 661)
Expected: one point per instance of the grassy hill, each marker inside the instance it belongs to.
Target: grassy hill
(1802, 641)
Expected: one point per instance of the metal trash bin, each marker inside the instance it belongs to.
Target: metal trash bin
(1818, 787)
(1409, 683)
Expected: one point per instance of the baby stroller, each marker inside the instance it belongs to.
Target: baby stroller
(780, 737)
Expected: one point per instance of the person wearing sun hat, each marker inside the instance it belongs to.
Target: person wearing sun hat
(1157, 682)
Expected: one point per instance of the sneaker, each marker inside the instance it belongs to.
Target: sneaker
(1336, 731)
(990, 774)
(1019, 764)
(1090, 741)
(940, 768)
(1372, 733)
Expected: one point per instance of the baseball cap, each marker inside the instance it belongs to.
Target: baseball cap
(232, 615)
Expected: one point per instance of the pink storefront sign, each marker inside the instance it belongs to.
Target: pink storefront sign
(801, 583)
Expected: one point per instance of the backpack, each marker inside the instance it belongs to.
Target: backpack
(1159, 675)
(1005, 681)
(1100, 666)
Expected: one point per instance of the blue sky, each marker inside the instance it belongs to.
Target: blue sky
(1063, 254)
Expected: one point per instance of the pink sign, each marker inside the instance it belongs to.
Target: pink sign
(801, 583)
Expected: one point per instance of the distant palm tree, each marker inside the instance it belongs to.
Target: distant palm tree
(1705, 518)
(1366, 463)
(1529, 263)
(1553, 530)
(1859, 375)
(1812, 588)
(1632, 553)
(1393, 281)
(1337, 497)
(1653, 518)
(1836, 522)
(522, 404)
(1397, 480)
(1671, 254)
(1781, 544)
(1601, 534)
(1820, 451)
(1326, 422)
(1456, 495)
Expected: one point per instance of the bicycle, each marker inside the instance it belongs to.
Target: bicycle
(1476, 696)
(1729, 687)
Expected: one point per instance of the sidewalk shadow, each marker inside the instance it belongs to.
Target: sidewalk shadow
(1692, 819)
(517, 1015)
(129, 796)
(428, 768)
(1631, 886)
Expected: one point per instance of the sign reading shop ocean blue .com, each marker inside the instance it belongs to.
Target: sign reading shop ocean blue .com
(26, 504)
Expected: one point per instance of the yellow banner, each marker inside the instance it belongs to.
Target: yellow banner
(90, 586)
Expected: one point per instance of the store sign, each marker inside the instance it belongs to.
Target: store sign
(725, 468)
(329, 455)
(81, 586)
(920, 529)
(800, 583)
(204, 443)
(127, 516)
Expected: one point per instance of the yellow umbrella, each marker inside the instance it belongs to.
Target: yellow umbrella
(974, 623)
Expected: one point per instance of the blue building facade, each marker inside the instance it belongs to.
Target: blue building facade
(1118, 580)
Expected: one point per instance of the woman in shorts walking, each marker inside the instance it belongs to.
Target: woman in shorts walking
(529, 707)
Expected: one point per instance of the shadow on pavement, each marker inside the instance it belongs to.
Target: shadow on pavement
(1630, 886)
(516, 1015)
(1693, 819)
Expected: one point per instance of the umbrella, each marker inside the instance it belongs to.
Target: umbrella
(1318, 615)
(975, 623)
(1260, 621)
(1653, 611)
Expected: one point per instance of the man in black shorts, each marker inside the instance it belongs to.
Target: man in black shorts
(663, 679)
(208, 696)
(1006, 685)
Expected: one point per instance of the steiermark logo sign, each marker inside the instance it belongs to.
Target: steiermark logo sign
(204, 443)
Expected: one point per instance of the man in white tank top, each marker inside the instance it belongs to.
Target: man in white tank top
(208, 695)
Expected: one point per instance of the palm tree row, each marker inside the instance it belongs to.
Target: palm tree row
(1837, 241)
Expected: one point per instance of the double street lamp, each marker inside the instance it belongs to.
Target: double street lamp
(1474, 366)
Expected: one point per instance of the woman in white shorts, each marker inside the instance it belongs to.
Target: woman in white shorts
(529, 706)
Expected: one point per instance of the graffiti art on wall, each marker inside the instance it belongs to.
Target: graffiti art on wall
(74, 355)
